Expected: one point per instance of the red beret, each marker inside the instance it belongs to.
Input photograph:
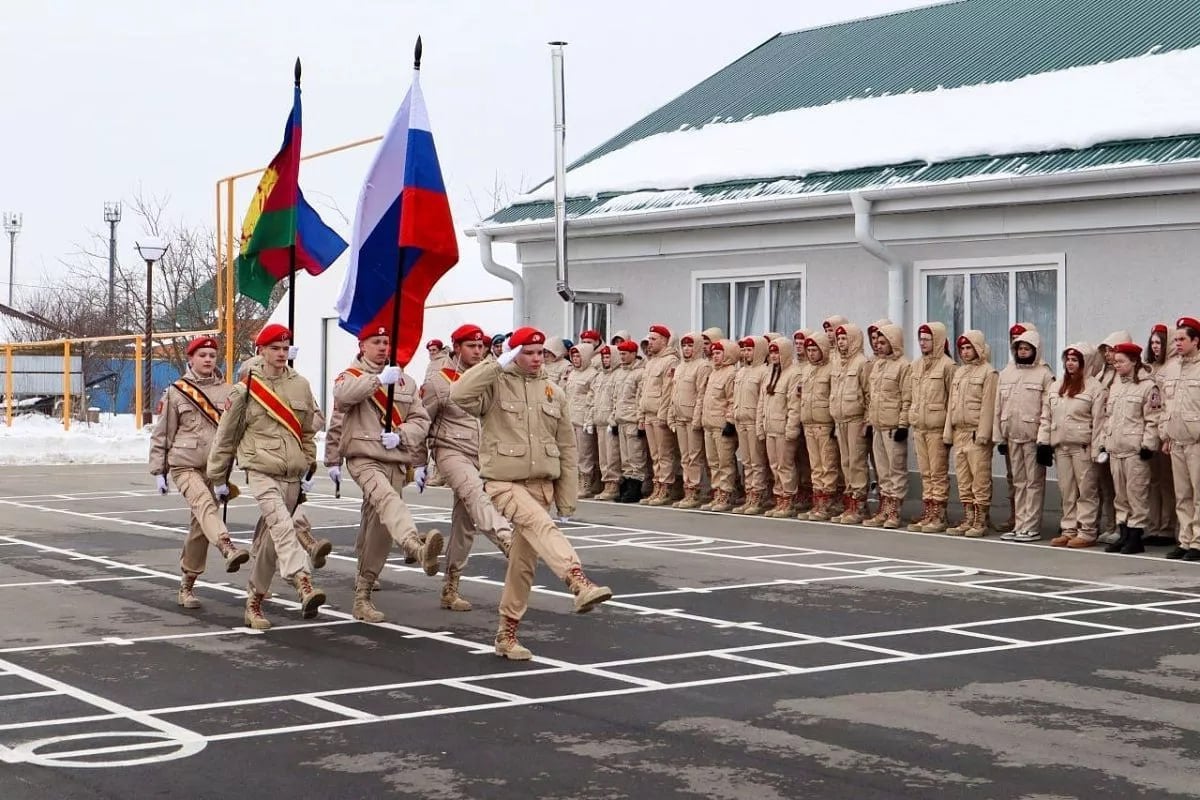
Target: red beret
(1159, 328)
(773, 347)
(590, 334)
(871, 329)
(467, 333)
(523, 336)
(201, 341)
(434, 343)
(746, 341)
(687, 340)
(661, 330)
(1188, 322)
(628, 347)
(960, 341)
(719, 345)
(924, 329)
(840, 329)
(605, 350)
(811, 341)
(1016, 330)
(271, 334)
(1128, 348)
(376, 330)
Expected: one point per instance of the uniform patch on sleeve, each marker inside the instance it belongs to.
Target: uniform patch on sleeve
(549, 392)
(671, 373)
(228, 402)
(1155, 399)
(421, 393)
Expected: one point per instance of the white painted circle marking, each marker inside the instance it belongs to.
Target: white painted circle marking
(28, 752)
(921, 571)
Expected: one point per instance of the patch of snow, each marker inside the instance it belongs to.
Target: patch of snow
(1136, 98)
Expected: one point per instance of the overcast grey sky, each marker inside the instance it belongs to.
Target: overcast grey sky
(103, 99)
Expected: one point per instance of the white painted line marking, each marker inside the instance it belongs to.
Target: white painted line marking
(344, 711)
(27, 695)
(782, 669)
(978, 635)
(1077, 621)
(487, 691)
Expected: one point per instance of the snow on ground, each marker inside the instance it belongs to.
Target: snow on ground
(1137, 98)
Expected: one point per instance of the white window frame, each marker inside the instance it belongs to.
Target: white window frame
(570, 317)
(1009, 264)
(745, 274)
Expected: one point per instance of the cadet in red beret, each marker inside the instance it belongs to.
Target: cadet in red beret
(1180, 431)
(661, 361)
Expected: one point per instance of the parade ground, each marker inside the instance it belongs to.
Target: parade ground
(740, 658)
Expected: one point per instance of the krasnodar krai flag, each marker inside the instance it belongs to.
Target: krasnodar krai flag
(402, 222)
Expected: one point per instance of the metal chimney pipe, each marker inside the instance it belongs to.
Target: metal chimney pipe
(563, 286)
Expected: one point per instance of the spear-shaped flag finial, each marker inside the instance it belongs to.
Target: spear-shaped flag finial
(297, 71)
(417, 54)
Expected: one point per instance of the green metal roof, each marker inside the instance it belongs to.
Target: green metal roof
(955, 44)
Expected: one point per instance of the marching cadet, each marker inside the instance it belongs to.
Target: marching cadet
(747, 384)
(931, 378)
(685, 416)
(716, 416)
(816, 386)
(1131, 416)
(1162, 488)
(453, 443)
(654, 400)
(625, 422)
(1070, 436)
(378, 457)
(557, 366)
(969, 428)
(888, 414)
(779, 423)
(270, 425)
(804, 488)
(581, 399)
(1181, 430)
(527, 459)
(608, 447)
(191, 411)
(849, 403)
(1021, 388)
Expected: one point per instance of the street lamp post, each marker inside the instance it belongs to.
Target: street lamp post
(12, 226)
(112, 215)
(151, 250)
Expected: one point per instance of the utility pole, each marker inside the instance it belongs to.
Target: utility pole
(12, 226)
(112, 215)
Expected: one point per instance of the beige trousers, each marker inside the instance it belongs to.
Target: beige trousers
(1162, 494)
(664, 459)
(1028, 486)
(781, 455)
(1077, 475)
(1131, 482)
(1185, 469)
(891, 464)
(1105, 491)
(205, 527)
(587, 452)
(385, 515)
(852, 447)
(691, 454)
(608, 448)
(721, 454)
(527, 504)
(633, 452)
(822, 457)
(754, 457)
(803, 467)
(973, 466)
(275, 545)
(473, 509)
(933, 462)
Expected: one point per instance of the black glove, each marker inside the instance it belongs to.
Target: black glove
(900, 435)
(1145, 454)
(869, 433)
(641, 434)
(613, 430)
(729, 430)
(1045, 455)
(1002, 448)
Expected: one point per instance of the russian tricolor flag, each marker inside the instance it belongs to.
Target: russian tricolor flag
(403, 235)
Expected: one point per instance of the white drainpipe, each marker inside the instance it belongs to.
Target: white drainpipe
(897, 268)
(506, 274)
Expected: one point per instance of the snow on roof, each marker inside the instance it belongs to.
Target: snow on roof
(1148, 97)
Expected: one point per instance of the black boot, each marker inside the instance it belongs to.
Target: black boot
(1119, 544)
(631, 490)
(1134, 545)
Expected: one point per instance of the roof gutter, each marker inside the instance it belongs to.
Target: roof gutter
(897, 268)
(506, 274)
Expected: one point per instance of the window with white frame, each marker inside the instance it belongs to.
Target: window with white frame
(991, 295)
(750, 303)
(589, 316)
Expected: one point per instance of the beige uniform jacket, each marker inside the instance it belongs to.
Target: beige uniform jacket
(1077, 420)
(260, 442)
(973, 394)
(716, 398)
(690, 377)
(1131, 416)
(580, 387)
(602, 396)
(931, 378)
(891, 385)
(816, 386)
(1181, 400)
(527, 432)
(625, 393)
(183, 435)
(357, 423)
(1021, 390)
(850, 396)
(450, 428)
(747, 383)
(779, 401)
(442, 359)
(654, 390)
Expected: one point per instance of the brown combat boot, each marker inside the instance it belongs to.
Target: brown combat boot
(937, 517)
(451, 599)
(311, 598)
(585, 486)
(721, 501)
(504, 544)
(820, 509)
(587, 594)
(968, 519)
(234, 556)
(187, 597)
(426, 552)
(851, 516)
(979, 523)
(364, 609)
(506, 642)
(918, 525)
(691, 499)
(610, 491)
(317, 549)
(783, 507)
(893, 521)
(662, 496)
(754, 504)
(885, 505)
(254, 618)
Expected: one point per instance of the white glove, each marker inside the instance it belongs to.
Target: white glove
(306, 485)
(335, 474)
(589, 429)
(293, 351)
(162, 484)
(563, 520)
(1102, 458)
(221, 491)
(508, 356)
(390, 439)
(419, 476)
(389, 375)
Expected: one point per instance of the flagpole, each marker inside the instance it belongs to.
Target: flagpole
(395, 330)
(292, 251)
